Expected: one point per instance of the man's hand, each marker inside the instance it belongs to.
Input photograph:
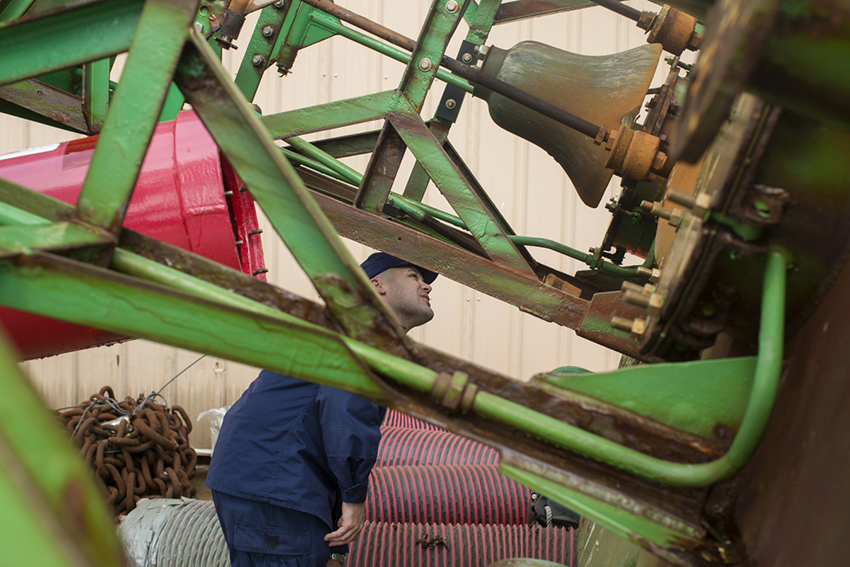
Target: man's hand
(350, 524)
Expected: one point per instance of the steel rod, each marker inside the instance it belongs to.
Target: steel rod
(392, 51)
(468, 72)
(622, 9)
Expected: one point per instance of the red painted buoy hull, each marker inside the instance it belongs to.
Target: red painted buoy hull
(179, 198)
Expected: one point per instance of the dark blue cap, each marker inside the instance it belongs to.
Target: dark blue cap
(380, 261)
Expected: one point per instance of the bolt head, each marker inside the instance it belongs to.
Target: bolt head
(199, 27)
(268, 31)
(467, 58)
(451, 6)
(425, 64)
(279, 4)
(257, 60)
(451, 103)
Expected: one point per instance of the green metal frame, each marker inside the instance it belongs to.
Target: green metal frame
(51, 254)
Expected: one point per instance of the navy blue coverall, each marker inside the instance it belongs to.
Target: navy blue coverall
(288, 454)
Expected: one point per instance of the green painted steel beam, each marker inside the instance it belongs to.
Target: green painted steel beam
(415, 83)
(330, 115)
(261, 44)
(10, 214)
(285, 200)
(300, 29)
(42, 102)
(666, 532)
(457, 191)
(22, 205)
(95, 93)
(134, 111)
(81, 33)
(481, 21)
(172, 105)
(11, 9)
(59, 236)
(426, 57)
(53, 514)
(51, 285)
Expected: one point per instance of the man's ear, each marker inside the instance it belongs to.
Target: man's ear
(378, 286)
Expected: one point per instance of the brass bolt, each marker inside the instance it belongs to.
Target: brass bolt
(636, 298)
(629, 286)
(681, 198)
(654, 274)
(655, 209)
(636, 327)
(656, 302)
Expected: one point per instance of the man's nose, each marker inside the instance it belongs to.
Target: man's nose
(426, 287)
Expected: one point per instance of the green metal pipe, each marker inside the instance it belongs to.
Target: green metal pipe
(762, 398)
(324, 158)
(416, 209)
(14, 215)
(409, 373)
(312, 164)
(759, 406)
(572, 253)
(334, 25)
(406, 207)
(419, 208)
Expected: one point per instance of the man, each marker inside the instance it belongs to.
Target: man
(291, 465)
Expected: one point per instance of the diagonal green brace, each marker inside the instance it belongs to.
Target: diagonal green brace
(77, 35)
(52, 286)
(11, 9)
(53, 513)
(95, 93)
(59, 236)
(425, 59)
(451, 183)
(284, 199)
(330, 115)
(134, 111)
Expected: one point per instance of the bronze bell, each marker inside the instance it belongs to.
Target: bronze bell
(605, 90)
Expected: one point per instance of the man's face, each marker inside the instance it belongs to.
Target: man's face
(407, 295)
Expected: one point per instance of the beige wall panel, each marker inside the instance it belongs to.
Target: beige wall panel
(527, 185)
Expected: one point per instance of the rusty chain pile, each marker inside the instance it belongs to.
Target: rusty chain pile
(137, 448)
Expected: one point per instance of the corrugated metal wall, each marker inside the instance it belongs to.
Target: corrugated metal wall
(530, 188)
